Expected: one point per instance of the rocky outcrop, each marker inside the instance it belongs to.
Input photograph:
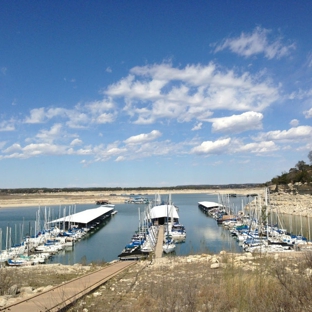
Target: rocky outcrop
(285, 202)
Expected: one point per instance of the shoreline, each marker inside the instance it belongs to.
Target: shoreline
(281, 202)
(73, 198)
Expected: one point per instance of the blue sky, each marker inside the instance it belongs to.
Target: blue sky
(145, 93)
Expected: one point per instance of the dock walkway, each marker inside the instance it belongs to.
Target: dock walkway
(159, 244)
(63, 295)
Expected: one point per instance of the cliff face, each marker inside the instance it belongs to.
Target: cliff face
(293, 188)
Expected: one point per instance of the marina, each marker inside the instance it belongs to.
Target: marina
(254, 226)
(108, 239)
(151, 236)
(53, 237)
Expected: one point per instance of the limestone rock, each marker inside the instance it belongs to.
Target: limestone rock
(96, 294)
(27, 290)
(13, 290)
(214, 265)
(214, 260)
(3, 301)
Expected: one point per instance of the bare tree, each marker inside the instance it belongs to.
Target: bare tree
(300, 165)
(310, 157)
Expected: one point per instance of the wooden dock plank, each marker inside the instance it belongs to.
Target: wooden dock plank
(62, 295)
(159, 244)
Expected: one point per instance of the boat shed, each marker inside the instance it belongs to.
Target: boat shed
(159, 214)
(206, 205)
(87, 217)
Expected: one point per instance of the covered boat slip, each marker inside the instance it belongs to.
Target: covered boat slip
(206, 205)
(86, 218)
(160, 214)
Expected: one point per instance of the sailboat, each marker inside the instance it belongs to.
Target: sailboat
(168, 246)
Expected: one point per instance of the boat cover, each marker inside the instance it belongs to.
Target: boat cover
(163, 211)
(86, 216)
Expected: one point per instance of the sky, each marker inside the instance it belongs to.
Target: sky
(153, 93)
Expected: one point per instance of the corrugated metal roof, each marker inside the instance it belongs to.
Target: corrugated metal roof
(208, 204)
(162, 211)
(86, 216)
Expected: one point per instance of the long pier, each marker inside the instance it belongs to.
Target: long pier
(63, 295)
(159, 244)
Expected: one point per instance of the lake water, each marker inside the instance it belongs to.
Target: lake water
(203, 233)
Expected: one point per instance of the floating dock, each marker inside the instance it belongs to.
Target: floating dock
(159, 244)
(87, 217)
(206, 205)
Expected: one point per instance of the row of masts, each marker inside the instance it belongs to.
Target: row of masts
(40, 224)
(260, 208)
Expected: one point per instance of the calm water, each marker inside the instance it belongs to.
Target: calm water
(203, 233)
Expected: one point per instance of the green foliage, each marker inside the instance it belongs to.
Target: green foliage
(301, 173)
(300, 165)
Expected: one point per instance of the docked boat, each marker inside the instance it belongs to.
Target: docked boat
(137, 200)
(133, 253)
(159, 214)
(176, 232)
(207, 205)
(169, 246)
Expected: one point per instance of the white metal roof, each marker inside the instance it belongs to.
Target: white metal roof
(86, 216)
(208, 204)
(163, 211)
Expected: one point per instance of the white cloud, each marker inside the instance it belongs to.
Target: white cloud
(294, 122)
(108, 70)
(115, 151)
(55, 132)
(33, 150)
(37, 115)
(161, 91)
(97, 107)
(237, 123)
(212, 147)
(105, 118)
(44, 149)
(300, 94)
(293, 134)
(75, 142)
(79, 117)
(248, 44)
(308, 113)
(15, 148)
(120, 158)
(258, 148)
(143, 138)
(78, 120)
(7, 126)
(198, 126)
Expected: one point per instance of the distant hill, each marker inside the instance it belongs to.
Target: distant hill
(119, 189)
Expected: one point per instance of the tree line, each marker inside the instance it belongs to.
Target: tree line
(302, 172)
